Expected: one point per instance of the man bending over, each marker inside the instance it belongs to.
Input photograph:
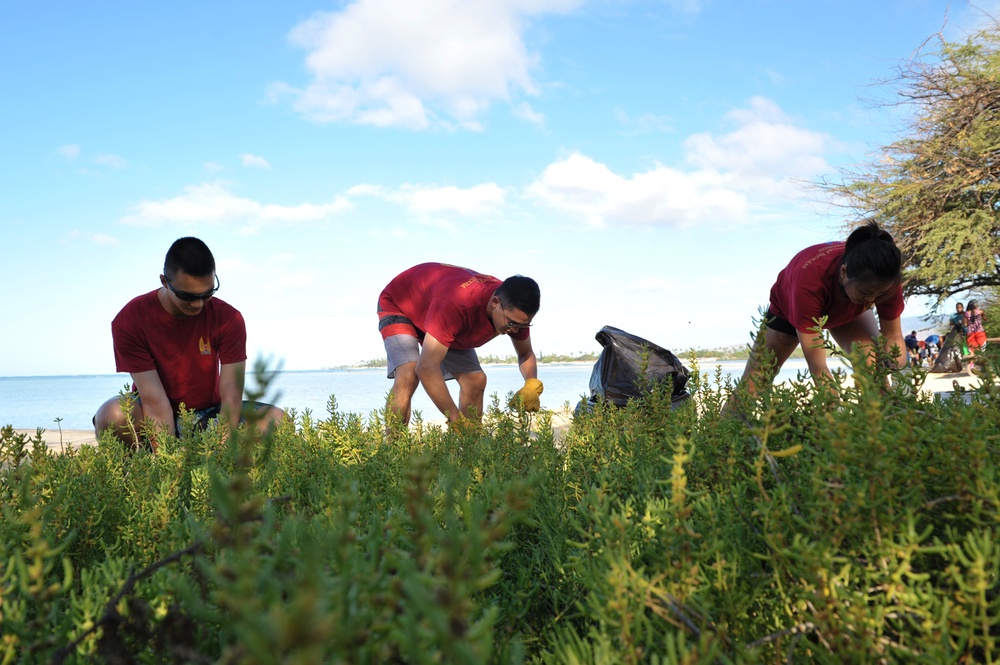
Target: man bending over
(433, 317)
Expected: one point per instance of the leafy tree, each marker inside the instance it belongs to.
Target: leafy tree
(936, 189)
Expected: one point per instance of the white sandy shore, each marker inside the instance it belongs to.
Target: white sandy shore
(936, 383)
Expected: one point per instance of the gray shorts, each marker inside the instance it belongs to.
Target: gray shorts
(402, 349)
(202, 417)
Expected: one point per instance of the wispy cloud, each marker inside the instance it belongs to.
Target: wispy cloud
(414, 64)
(528, 114)
(254, 161)
(69, 152)
(644, 123)
(729, 176)
(97, 238)
(111, 161)
(214, 203)
(428, 201)
(212, 167)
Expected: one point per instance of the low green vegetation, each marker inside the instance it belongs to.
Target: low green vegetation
(810, 529)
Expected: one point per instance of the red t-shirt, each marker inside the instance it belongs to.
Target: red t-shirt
(186, 353)
(447, 302)
(809, 287)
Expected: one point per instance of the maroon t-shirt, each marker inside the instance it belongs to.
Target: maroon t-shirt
(809, 287)
(446, 302)
(186, 353)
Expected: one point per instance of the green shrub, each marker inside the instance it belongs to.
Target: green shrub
(859, 528)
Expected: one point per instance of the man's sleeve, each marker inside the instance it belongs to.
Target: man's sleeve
(131, 348)
(233, 340)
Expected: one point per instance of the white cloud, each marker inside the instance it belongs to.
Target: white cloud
(213, 203)
(212, 167)
(427, 201)
(735, 175)
(102, 239)
(765, 147)
(686, 6)
(645, 123)
(70, 151)
(407, 64)
(111, 161)
(586, 189)
(478, 201)
(525, 112)
(254, 161)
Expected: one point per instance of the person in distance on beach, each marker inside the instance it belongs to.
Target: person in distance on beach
(181, 345)
(434, 316)
(842, 281)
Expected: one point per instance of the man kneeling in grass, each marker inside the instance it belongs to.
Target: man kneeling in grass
(433, 317)
(181, 345)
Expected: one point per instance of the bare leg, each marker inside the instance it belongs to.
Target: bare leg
(111, 416)
(861, 331)
(472, 387)
(780, 345)
(403, 387)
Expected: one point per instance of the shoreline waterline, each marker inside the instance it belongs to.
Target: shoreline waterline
(69, 402)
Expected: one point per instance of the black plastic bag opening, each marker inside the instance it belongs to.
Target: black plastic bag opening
(617, 375)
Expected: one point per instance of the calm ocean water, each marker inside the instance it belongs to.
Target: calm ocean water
(36, 401)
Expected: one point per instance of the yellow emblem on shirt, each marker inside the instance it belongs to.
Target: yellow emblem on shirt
(204, 346)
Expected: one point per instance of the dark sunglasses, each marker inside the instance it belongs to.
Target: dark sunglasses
(191, 297)
(510, 324)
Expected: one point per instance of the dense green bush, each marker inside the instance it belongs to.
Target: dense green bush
(859, 528)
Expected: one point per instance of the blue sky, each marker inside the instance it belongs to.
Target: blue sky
(643, 160)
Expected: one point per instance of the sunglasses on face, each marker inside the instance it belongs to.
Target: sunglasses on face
(191, 297)
(508, 324)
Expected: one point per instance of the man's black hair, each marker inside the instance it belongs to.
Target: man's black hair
(870, 254)
(191, 256)
(520, 292)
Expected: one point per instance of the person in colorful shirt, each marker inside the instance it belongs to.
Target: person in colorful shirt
(841, 281)
(181, 345)
(974, 323)
(433, 316)
(960, 327)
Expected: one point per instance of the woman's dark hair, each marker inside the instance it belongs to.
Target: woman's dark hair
(870, 254)
(973, 304)
(191, 256)
(521, 293)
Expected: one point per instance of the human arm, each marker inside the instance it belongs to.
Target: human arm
(155, 404)
(814, 349)
(526, 361)
(892, 332)
(429, 372)
(231, 380)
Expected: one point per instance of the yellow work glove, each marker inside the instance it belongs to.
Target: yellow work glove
(530, 395)
(464, 425)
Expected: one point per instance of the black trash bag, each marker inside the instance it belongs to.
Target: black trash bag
(616, 376)
(949, 359)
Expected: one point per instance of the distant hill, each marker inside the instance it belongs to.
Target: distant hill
(923, 325)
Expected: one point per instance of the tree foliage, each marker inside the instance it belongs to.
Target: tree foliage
(936, 189)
